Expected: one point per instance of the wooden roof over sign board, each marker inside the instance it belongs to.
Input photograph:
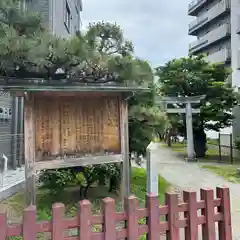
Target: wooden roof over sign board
(66, 85)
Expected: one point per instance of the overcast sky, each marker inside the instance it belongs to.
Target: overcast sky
(158, 28)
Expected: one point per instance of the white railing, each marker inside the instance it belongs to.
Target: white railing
(215, 11)
(220, 56)
(195, 3)
(211, 37)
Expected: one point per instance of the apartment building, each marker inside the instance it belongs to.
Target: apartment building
(217, 29)
(212, 27)
(62, 17)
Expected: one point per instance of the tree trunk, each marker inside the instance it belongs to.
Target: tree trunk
(81, 193)
(169, 134)
(86, 190)
(160, 136)
(113, 184)
(200, 141)
(165, 136)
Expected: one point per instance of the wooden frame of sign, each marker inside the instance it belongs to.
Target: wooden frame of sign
(73, 125)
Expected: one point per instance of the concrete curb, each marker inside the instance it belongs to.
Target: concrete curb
(12, 189)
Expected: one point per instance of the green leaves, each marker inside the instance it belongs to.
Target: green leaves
(108, 38)
(25, 23)
(193, 76)
(145, 120)
(57, 180)
(101, 52)
(17, 35)
(26, 49)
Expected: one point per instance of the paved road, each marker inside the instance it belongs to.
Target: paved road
(192, 177)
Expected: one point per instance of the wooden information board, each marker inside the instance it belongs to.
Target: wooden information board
(73, 125)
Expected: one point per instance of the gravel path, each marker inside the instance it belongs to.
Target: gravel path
(191, 176)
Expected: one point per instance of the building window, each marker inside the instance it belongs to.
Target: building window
(78, 21)
(78, 5)
(67, 16)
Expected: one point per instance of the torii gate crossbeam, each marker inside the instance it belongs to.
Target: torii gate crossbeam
(188, 111)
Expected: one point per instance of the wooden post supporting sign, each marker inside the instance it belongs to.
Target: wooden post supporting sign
(29, 143)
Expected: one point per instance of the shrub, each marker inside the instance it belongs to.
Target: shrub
(57, 180)
(237, 143)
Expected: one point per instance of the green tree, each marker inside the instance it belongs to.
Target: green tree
(100, 53)
(108, 38)
(27, 49)
(193, 76)
(17, 34)
(145, 118)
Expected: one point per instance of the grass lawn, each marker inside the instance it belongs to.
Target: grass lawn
(182, 148)
(212, 155)
(227, 172)
(213, 141)
(139, 182)
(70, 197)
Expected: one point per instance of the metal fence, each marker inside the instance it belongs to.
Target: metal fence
(12, 148)
(225, 148)
(11, 130)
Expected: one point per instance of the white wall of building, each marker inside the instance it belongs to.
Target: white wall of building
(235, 41)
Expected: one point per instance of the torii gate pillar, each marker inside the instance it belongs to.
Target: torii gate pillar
(189, 127)
(188, 111)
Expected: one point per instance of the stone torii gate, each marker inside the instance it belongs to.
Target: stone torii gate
(188, 110)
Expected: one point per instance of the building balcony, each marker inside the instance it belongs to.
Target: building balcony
(238, 24)
(238, 59)
(215, 35)
(219, 9)
(221, 56)
(195, 6)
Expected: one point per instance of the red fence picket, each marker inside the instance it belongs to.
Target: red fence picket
(212, 211)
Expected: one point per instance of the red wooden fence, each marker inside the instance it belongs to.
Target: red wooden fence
(211, 211)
